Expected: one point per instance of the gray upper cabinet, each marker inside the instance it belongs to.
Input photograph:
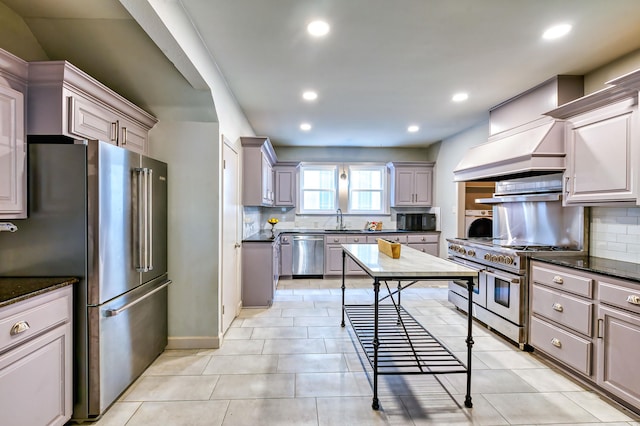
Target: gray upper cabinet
(258, 158)
(63, 100)
(13, 178)
(411, 184)
(284, 179)
(603, 145)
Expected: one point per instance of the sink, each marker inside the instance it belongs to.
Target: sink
(340, 230)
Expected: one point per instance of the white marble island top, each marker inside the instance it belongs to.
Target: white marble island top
(411, 264)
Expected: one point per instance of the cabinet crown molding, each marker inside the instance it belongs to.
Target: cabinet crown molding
(67, 75)
(14, 70)
(623, 87)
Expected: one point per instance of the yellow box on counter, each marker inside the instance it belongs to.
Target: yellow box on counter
(389, 248)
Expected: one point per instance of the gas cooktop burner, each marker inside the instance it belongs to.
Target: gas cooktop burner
(515, 245)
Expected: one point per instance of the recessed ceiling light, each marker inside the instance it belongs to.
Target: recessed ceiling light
(310, 95)
(305, 127)
(318, 28)
(460, 97)
(413, 128)
(556, 31)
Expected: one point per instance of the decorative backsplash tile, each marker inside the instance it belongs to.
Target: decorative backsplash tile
(615, 233)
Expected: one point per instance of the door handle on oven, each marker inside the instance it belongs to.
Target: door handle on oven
(501, 277)
(114, 312)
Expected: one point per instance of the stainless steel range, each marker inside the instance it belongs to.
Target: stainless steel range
(501, 293)
(524, 223)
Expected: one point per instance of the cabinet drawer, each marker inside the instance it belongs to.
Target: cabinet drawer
(563, 280)
(425, 238)
(620, 295)
(356, 239)
(397, 238)
(335, 239)
(562, 345)
(38, 314)
(564, 309)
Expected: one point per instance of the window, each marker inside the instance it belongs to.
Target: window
(367, 189)
(318, 189)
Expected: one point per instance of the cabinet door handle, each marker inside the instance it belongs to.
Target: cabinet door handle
(114, 132)
(124, 136)
(558, 279)
(19, 327)
(557, 307)
(633, 299)
(566, 185)
(600, 329)
(556, 342)
(356, 239)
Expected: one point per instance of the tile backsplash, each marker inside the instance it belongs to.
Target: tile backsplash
(255, 219)
(615, 233)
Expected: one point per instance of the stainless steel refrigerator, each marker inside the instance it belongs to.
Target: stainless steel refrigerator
(98, 212)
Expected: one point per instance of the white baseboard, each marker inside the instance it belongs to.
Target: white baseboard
(194, 342)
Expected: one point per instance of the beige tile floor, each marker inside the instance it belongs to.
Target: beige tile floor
(292, 364)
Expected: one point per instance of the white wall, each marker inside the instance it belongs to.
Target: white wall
(190, 149)
(447, 155)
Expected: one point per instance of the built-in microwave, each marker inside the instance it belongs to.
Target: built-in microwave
(416, 221)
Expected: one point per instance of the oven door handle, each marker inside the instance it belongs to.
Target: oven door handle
(477, 268)
(503, 277)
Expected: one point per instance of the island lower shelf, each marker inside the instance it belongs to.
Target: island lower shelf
(405, 346)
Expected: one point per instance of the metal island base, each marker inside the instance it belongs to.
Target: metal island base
(392, 340)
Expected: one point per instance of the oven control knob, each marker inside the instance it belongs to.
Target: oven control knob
(509, 260)
(487, 256)
(463, 250)
(471, 253)
(494, 258)
(501, 259)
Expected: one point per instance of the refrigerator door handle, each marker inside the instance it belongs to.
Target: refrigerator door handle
(143, 194)
(150, 221)
(114, 312)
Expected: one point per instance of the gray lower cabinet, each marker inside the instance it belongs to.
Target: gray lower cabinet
(286, 256)
(619, 339)
(426, 243)
(36, 360)
(259, 279)
(589, 323)
(333, 254)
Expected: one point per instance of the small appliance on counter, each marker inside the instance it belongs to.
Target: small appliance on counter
(416, 221)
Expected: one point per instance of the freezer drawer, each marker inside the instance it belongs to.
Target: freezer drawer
(125, 336)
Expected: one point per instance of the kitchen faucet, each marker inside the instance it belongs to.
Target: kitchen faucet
(339, 223)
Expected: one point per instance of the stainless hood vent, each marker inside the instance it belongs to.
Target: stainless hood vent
(533, 149)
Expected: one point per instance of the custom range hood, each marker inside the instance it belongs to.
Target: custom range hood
(523, 142)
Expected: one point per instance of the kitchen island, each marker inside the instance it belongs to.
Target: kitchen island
(393, 341)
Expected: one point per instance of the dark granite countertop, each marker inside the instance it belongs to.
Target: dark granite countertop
(13, 290)
(598, 265)
(266, 235)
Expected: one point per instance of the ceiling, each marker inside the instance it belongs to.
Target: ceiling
(383, 66)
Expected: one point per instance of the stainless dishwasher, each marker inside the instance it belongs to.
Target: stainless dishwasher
(308, 255)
